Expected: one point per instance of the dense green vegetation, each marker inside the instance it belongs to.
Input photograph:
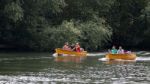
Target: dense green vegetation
(43, 25)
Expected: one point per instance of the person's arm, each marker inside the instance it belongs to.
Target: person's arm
(73, 49)
(109, 51)
(123, 51)
(63, 47)
(117, 51)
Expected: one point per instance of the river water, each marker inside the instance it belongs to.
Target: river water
(42, 68)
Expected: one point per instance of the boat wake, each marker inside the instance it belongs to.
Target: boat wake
(143, 59)
(96, 54)
(137, 59)
(103, 59)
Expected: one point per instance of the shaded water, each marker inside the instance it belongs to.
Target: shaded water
(42, 68)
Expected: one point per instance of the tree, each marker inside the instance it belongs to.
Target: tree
(145, 30)
(124, 19)
(95, 34)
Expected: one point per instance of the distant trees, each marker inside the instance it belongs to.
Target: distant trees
(145, 24)
(125, 19)
(43, 25)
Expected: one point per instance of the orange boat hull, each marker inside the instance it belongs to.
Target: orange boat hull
(71, 53)
(131, 56)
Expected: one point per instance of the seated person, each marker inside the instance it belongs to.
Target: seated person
(72, 46)
(114, 50)
(127, 52)
(77, 47)
(120, 50)
(109, 51)
(66, 46)
(81, 49)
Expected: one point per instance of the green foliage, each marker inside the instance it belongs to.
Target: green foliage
(145, 18)
(13, 11)
(86, 9)
(66, 32)
(94, 34)
(124, 19)
(43, 25)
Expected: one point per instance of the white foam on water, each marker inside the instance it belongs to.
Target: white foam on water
(96, 54)
(55, 55)
(143, 59)
(103, 59)
(147, 53)
(137, 59)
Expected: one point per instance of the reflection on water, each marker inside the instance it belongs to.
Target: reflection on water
(76, 59)
(39, 68)
(119, 62)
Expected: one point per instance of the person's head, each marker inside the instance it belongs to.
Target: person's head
(77, 43)
(66, 43)
(114, 47)
(120, 47)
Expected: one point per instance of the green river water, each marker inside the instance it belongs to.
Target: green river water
(43, 68)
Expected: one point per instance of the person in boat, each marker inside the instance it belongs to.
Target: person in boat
(127, 52)
(72, 46)
(114, 50)
(120, 50)
(66, 46)
(109, 50)
(77, 47)
(81, 49)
